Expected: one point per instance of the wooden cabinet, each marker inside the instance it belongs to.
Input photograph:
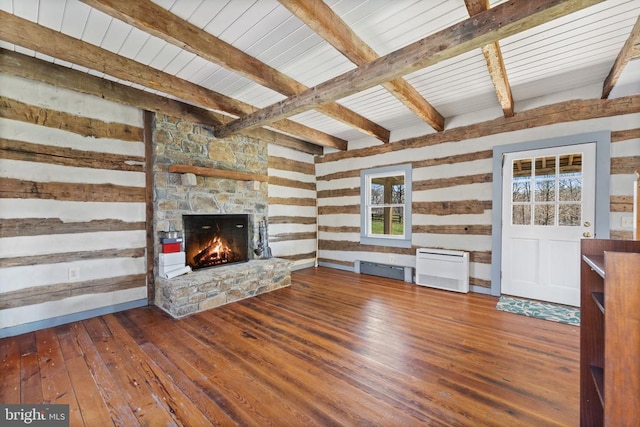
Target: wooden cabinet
(610, 333)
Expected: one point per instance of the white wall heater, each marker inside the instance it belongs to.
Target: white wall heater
(443, 269)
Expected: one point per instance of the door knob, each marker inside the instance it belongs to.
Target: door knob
(586, 234)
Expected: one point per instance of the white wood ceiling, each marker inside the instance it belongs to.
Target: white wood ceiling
(568, 53)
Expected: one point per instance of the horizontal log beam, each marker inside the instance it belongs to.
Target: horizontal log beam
(304, 220)
(292, 201)
(167, 26)
(71, 256)
(471, 229)
(30, 35)
(487, 27)
(290, 237)
(218, 173)
(11, 188)
(85, 126)
(285, 164)
(17, 227)
(48, 293)
(432, 184)
(338, 210)
(338, 192)
(456, 207)
(24, 66)
(49, 154)
(291, 183)
(621, 204)
(483, 257)
(563, 112)
(338, 229)
(625, 165)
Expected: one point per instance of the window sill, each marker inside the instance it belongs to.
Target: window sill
(380, 241)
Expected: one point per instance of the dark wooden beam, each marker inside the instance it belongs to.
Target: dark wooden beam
(495, 64)
(154, 19)
(35, 69)
(149, 119)
(487, 27)
(629, 51)
(32, 36)
(323, 20)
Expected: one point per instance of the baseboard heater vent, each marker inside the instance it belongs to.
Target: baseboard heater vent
(384, 270)
(442, 269)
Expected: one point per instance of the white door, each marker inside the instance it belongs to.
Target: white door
(548, 206)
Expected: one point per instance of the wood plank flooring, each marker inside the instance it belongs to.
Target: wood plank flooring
(335, 348)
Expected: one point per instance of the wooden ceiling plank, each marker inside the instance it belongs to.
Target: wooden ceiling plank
(324, 21)
(487, 27)
(20, 65)
(629, 51)
(30, 35)
(154, 19)
(495, 63)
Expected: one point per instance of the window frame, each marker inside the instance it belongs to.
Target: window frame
(366, 176)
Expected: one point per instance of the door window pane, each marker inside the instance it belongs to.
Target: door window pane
(544, 214)
(545, 190)
(545, 167)
(521, 190)
(521, 214)
(522, 168)
(570, 214)
(570, 189)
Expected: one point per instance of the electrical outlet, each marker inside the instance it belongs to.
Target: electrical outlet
(627, 221)
(74, 274)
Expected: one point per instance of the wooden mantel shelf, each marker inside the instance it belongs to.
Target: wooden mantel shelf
(218, 173)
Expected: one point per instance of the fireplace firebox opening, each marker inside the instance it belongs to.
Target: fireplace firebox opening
(214, 240)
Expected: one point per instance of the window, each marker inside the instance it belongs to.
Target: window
(385, 206)
(547, 191)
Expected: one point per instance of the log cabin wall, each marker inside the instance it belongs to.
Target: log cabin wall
(72, 206)
(292, 206)
(452, 182)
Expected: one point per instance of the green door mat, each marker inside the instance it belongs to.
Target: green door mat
(541, 310)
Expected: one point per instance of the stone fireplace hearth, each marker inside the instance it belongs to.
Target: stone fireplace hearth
(178, 142)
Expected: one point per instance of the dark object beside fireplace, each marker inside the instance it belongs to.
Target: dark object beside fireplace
(213, 240)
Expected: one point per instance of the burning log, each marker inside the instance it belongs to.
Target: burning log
(214, 253)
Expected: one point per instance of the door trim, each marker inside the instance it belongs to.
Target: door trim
(603, 174)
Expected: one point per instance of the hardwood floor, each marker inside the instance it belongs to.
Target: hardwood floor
(335, 348)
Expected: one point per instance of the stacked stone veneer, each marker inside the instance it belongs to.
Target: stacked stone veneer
(211, 288)
(177, 141)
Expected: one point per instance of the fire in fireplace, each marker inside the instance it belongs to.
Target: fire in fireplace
(213, 240)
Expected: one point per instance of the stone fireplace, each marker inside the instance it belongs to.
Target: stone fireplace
(210, 199)
(213, 240)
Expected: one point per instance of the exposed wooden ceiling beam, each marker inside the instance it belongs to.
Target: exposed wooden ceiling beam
(487, 27)
(154, 19)
(20, 65)
(324, 21)
(495, 64)
(30, 35)
(629, 51)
